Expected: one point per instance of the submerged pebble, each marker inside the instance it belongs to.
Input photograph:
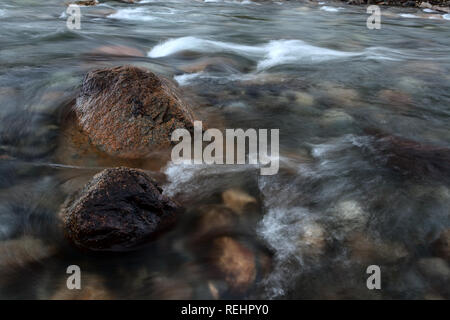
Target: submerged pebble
(369, 250)
(19, 252)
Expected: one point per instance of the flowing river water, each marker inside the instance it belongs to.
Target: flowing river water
(313, 70)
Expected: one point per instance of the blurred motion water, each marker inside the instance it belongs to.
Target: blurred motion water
(314, 71)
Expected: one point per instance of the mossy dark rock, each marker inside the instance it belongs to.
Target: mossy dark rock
(119, 209)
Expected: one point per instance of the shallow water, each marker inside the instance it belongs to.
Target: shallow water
(314, 71)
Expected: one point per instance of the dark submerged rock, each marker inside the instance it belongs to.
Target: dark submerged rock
(117, 51)
(411, 158)
(119, 209)
(129, 112)
(441, 246)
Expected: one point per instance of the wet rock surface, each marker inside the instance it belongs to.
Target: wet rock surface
(128, 112)
(118, 209)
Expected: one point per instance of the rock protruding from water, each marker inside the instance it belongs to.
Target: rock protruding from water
(119, 209)
(128, 112)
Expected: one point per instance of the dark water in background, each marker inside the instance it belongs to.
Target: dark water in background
(318, 75)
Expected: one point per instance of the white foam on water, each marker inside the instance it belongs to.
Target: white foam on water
(381, 53)
(429, 10)
(133, 14)
(408, 15)
(330, 157)
(331, 9)
(446, 16)
(273, 53)
(180, 174)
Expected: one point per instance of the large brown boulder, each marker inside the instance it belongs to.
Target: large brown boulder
(128, 112)
(120, 208)
(84, 3)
